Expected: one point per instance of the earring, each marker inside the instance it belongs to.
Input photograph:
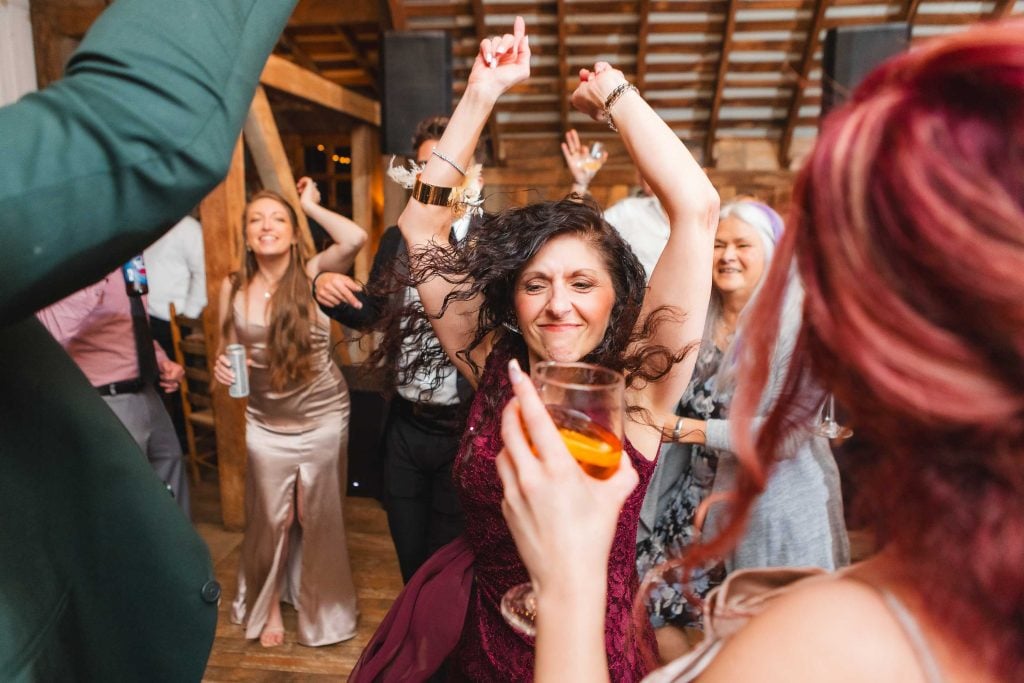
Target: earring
(512, 327)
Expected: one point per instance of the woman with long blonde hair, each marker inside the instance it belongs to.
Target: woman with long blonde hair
(296, 424)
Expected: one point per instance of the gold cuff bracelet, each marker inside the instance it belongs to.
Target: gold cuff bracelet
(434, 195)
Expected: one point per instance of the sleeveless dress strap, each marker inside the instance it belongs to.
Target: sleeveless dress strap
(911, 629)
(746, 593)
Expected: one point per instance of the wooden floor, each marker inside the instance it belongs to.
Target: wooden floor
(377, 579)
(375, 569)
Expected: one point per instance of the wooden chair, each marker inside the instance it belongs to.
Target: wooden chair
(190, 353)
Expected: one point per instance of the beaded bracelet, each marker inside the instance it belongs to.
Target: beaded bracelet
(451, 163)
(613, 98)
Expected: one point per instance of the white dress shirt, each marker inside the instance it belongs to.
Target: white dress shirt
(177, 271)
(417, 390)
(644, 225)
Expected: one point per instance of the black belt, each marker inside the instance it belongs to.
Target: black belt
(425, 411)
(132, 386)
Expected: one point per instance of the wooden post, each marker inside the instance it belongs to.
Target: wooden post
(367, 207)
(221, 216)
(58, 27)
(367, 193)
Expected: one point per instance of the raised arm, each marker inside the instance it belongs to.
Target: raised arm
(500, 64)
(348, 237)
(682, 278)
(582, 165)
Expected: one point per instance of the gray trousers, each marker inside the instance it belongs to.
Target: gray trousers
(145, 417)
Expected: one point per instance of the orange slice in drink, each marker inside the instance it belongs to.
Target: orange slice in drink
(598, 455)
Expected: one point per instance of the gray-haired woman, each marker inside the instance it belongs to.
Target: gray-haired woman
(799, 520)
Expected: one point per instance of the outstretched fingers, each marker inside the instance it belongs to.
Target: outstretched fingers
(510, 48)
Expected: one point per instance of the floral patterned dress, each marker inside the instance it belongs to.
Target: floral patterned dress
(674, 528)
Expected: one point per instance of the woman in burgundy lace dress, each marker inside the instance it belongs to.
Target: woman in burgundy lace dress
(549, 281)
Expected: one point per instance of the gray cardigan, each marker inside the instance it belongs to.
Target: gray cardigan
(798, 519)
(796, 522)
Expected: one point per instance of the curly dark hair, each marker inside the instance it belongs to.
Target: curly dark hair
(487, 264)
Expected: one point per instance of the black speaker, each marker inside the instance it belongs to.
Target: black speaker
(851, 53)
(416, 82)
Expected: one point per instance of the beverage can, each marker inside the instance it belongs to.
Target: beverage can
(236, 355)
(136, 282)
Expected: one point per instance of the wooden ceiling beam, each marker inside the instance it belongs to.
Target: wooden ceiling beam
(347, 78)
(691, 6)
(362, 59)
(723, 68)
(643, 30)
(281, 74)
(320, 12)
(909, 11)
(1002, 9)
(396, 20)
(296, 50)
(480, 28)
(563, 67)
(806, 64)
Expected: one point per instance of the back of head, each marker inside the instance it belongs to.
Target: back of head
(907, 231)
(432, 128)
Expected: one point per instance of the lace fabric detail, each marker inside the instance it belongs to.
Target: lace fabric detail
(490, 650)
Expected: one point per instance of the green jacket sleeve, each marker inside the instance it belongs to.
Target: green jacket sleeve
(142, 126)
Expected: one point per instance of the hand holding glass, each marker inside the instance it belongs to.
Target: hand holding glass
(586, 403)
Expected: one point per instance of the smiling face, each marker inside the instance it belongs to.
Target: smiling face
(739, 258)
(563, 299)
(269, 230)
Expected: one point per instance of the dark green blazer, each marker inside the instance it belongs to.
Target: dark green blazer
(101, 576)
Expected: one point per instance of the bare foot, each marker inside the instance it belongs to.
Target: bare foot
(273, 631)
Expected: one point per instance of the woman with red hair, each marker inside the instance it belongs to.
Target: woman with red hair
(907, 234)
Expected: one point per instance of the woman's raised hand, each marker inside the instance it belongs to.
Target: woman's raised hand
(582, 166)
(309, 193)
(502, 61)
(594, 88)
(563, 521)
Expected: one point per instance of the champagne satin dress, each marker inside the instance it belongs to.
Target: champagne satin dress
(297, 441)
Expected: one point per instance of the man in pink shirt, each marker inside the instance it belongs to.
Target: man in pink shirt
(94, 325)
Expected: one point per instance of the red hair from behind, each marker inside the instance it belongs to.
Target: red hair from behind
(907, 231)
